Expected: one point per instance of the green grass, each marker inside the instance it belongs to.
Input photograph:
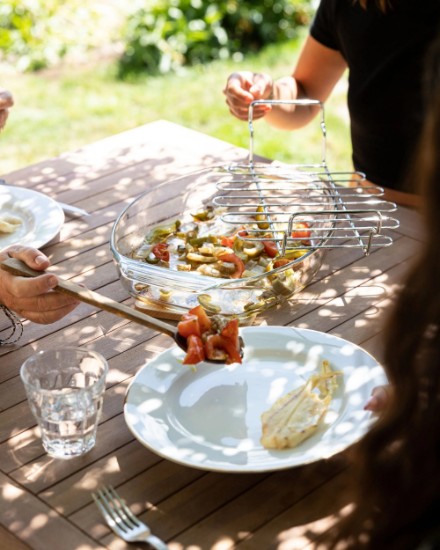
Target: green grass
(62, 110)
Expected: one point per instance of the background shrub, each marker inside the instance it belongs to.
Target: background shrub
(169, 34)
(36, 34)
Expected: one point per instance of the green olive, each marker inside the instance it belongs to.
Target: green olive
(262, 218)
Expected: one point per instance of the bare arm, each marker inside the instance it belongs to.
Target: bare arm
(318, 70)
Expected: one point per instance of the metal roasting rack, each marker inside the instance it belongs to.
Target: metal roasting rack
(340, 208)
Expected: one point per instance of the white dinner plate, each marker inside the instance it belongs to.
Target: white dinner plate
(209, 417)
(41, 216)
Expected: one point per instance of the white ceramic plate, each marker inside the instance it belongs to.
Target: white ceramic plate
(42, 217)
(209, 418)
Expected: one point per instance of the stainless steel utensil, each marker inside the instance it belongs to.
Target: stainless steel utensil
(73, 211)
(17, 267)
(122, 521)
(68, 209)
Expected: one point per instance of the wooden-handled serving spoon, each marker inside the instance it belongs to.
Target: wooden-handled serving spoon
(17, 267)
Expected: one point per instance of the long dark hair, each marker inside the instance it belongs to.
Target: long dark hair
(383, 5)
(396, 477)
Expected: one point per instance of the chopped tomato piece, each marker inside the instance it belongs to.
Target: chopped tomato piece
(270, 248)
(233, 350)
(231, 330)
(281, 261)
(218, 347)
(226, 345)
(214, 348)
(160, 250)
(195, 352)
(233, 259)
(189, 325)
(202, 316)
(228, 241)
(302, 231)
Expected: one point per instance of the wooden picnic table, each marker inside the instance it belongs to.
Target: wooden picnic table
(47, 503)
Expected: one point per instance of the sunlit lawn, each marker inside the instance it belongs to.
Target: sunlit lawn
(65, 109)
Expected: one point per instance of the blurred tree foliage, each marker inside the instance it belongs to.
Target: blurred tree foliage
(35, 34)
(165, 35)
(157, 36)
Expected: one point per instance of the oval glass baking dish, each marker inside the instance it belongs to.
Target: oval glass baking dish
(254, 206)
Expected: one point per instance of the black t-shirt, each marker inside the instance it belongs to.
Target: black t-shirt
(384, 54)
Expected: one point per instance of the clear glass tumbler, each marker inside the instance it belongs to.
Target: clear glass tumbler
(65, 389)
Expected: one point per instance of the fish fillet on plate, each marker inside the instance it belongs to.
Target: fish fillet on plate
(297, 415)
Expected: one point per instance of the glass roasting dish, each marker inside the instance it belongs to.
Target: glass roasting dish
(177, 200)
(337, 208)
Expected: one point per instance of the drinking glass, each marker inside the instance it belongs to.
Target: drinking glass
(65, 389)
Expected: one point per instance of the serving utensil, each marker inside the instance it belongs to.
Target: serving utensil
(68, 209)
(122, 521)
(17, 267)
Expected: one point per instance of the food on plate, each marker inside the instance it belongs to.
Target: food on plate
(215, 338)
(209, 246)
(9, 224)
(297, 415)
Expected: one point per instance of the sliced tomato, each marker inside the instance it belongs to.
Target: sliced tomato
(228, 241)
(270, 247)
(231, 330)
(281, 261)
(202, 316)
(160, 250)
(302, 231)
(195, 352)
(189, 325)
(232, 350)
(233, 259)
(231, 340)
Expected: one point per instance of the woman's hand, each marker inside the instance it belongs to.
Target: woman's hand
(380, 397)
(244, 87)
(33, 298)
(6, 101)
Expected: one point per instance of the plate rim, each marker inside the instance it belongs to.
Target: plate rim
(24, 192)
(282, 465)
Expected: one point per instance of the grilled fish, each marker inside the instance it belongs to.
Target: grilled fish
(296, 416)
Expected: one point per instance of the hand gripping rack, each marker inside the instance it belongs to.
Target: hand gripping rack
(340, 208)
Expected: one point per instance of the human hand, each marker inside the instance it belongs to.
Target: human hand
(380, 397)
(33, 298)
(6, 101)
(244, 87)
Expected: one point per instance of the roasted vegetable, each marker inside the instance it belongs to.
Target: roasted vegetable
(215, 338)
(200, 246)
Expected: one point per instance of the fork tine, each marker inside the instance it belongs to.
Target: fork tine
(108, 518)
(110, 512)
(123, 509)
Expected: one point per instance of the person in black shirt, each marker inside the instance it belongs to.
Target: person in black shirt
(382, 43)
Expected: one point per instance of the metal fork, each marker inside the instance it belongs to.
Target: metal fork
(122, 521)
